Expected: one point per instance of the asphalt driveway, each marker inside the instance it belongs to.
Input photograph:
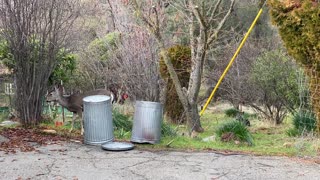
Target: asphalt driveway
(78, 161)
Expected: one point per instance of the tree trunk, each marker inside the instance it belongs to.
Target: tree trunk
(193, 118)
(189, 104)
(29, 105)
(31, 80)
(202, 33)
(278, 118)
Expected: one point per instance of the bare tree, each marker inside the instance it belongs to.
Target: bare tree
(205, 20)
(137, 65)
(236, 87)
(35, 30)
(124, 59)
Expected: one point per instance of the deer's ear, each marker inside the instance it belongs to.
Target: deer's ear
(58, 87)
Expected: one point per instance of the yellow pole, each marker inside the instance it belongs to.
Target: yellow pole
(231, 61)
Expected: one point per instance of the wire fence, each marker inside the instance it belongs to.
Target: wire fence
(307, 117)
(7, 91)
(314, 88)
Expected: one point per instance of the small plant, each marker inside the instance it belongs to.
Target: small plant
(167, 130)
(232, 112)
(121, 121)
(304, 121)
(121, 133)
(241, 117)
(293, 132)
(54, 111)
(46, 120)
(3, 116)
(234, 130)
(252, 116)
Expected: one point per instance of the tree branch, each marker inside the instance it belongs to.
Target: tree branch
(148, 23)
(155, 30)
(214, 11)
(214, 36)
(201, 19)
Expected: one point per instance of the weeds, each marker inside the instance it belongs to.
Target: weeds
(167, 130)
(234, 130)
(232, 112)
(304, 124)
(121, 133)
(121, 121)
(304, 121)
(293, 132)
(3, 116)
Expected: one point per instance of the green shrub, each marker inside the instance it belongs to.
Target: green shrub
(121, 122)
(293, 132)
(234, 130)
(3, 116)
(121, 133)
(299, 29)
(252, 116)
(232, 112)
(167, 130)
(304, 121)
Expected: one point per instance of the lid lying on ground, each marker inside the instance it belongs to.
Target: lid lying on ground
(117, 146)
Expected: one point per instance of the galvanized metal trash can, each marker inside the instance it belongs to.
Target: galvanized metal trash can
(147, 122)
(97, 115)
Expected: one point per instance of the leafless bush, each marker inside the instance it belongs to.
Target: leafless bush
(136, 65)
(35, 31)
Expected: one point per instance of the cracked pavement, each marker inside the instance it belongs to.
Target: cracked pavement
(78, 161)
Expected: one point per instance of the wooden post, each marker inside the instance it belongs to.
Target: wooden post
(63, 118)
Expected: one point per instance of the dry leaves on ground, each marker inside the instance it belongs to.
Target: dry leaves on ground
(26, 139)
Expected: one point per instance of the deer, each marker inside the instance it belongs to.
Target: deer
(74, 102)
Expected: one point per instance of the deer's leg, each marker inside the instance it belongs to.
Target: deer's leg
(72, 122)
(81, 122)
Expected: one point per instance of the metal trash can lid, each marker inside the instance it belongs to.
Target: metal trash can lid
(96, 98)
(117, 146)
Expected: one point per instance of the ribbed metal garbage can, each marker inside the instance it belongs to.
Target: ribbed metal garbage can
(147, 122)
(97, 114)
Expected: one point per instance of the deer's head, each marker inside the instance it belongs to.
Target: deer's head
(55, 94)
